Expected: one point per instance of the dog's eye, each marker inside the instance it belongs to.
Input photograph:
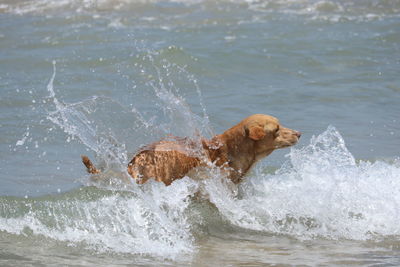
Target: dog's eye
(276, 131)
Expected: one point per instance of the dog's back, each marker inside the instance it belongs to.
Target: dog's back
(166, 160)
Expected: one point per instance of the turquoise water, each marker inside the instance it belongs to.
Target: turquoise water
(104, 77)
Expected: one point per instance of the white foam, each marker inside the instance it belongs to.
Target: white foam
(150, 220)
(320, 192)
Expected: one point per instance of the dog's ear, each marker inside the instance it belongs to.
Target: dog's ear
(255, 132)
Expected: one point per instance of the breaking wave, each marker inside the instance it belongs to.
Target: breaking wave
(321, 192)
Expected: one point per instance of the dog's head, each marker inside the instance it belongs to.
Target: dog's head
(268, 133)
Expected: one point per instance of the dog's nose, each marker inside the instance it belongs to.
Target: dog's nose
(298, 134)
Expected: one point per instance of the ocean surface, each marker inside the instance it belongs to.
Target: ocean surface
(104, 77)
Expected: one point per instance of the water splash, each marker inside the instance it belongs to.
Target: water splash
(320, 192)
(155, 107)
(167, 82)
(74, 119)
(151, 221)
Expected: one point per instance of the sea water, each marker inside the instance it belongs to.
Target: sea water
(104, 78)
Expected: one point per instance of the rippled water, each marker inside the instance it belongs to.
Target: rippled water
(104, 77)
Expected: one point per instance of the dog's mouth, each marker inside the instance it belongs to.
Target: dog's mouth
(288, 143)
(285, 145)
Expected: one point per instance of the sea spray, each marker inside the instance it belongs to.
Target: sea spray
(154, 108)
(319, 192)
(150, 220)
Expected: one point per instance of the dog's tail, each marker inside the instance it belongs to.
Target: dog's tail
(89, 165)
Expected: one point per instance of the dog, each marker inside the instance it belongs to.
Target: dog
(235, 151)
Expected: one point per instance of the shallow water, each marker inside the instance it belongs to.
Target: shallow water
(104, 77)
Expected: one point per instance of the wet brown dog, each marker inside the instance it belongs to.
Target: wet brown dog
(235, 151)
